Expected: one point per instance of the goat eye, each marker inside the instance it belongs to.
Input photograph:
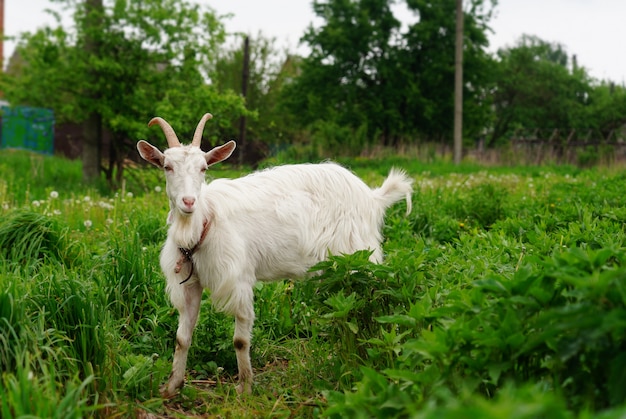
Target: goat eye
(203, 169)
(168, 168)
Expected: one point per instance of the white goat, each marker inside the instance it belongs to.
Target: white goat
(269, 225)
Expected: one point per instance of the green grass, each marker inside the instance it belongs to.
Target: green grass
(503, 294)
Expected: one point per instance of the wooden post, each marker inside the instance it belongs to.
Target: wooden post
(244, 92)
(1, 36)
(458, 85)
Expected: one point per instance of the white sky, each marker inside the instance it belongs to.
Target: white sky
(594, 30)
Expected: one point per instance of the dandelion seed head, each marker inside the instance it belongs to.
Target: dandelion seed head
(129, 194)
(36, 203)
(88, 223)
(87, 198)
(105, 205)
(54, 194)
(157, 189)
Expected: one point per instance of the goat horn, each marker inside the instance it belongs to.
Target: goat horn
(197, 136)
(170, 135)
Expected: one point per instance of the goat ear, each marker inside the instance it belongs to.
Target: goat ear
(220, 153)
(150, 153)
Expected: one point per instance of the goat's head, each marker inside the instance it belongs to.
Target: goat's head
(184, 166)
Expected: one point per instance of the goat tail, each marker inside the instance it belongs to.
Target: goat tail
(398, 185)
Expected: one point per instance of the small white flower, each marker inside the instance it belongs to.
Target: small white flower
(5, 206)
(87, 198)
(109, 221)
(129, 194)
(157, 189)
(36, 203)
(144, 248)
(88, 223)
(56, 212)
(54, 194)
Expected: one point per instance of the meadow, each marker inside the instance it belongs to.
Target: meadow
(503, 295)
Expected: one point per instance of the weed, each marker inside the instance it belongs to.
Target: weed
(502, 294)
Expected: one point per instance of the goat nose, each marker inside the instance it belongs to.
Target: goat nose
(189, 201)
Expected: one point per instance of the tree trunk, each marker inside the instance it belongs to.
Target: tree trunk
(92, 139)
(92, 127)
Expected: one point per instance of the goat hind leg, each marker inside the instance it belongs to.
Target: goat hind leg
(244, 319)
(188, 304)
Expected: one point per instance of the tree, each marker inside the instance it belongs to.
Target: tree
(369, 79)
(604, 112)
(535, 88)
(122, 64)
(429, 59)
(268, 70)
(91, 23)
(347, 81)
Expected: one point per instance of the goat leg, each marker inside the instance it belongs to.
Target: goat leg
(187, 302)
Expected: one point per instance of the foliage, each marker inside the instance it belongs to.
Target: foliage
(502, 295)
(125, 62)
(384, 83)
(29, 236)
(536, 89)
(268, 70)
(369, 80)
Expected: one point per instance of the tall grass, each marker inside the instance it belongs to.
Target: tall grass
(502, 295)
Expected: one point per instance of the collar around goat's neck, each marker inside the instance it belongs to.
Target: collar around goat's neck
(206, 225)
(187, 253)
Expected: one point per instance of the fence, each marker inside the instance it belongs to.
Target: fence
(27, 128)
(583, 147)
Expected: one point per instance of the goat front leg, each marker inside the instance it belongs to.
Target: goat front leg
(244, 319)
(186, 298)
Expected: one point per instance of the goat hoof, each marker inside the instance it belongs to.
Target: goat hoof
(168, 391)
(244, 388)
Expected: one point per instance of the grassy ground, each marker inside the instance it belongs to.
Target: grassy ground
(503, 295)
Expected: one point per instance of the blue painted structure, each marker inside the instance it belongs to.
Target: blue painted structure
(27, 128)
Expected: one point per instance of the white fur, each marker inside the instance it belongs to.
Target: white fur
(269, 225)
